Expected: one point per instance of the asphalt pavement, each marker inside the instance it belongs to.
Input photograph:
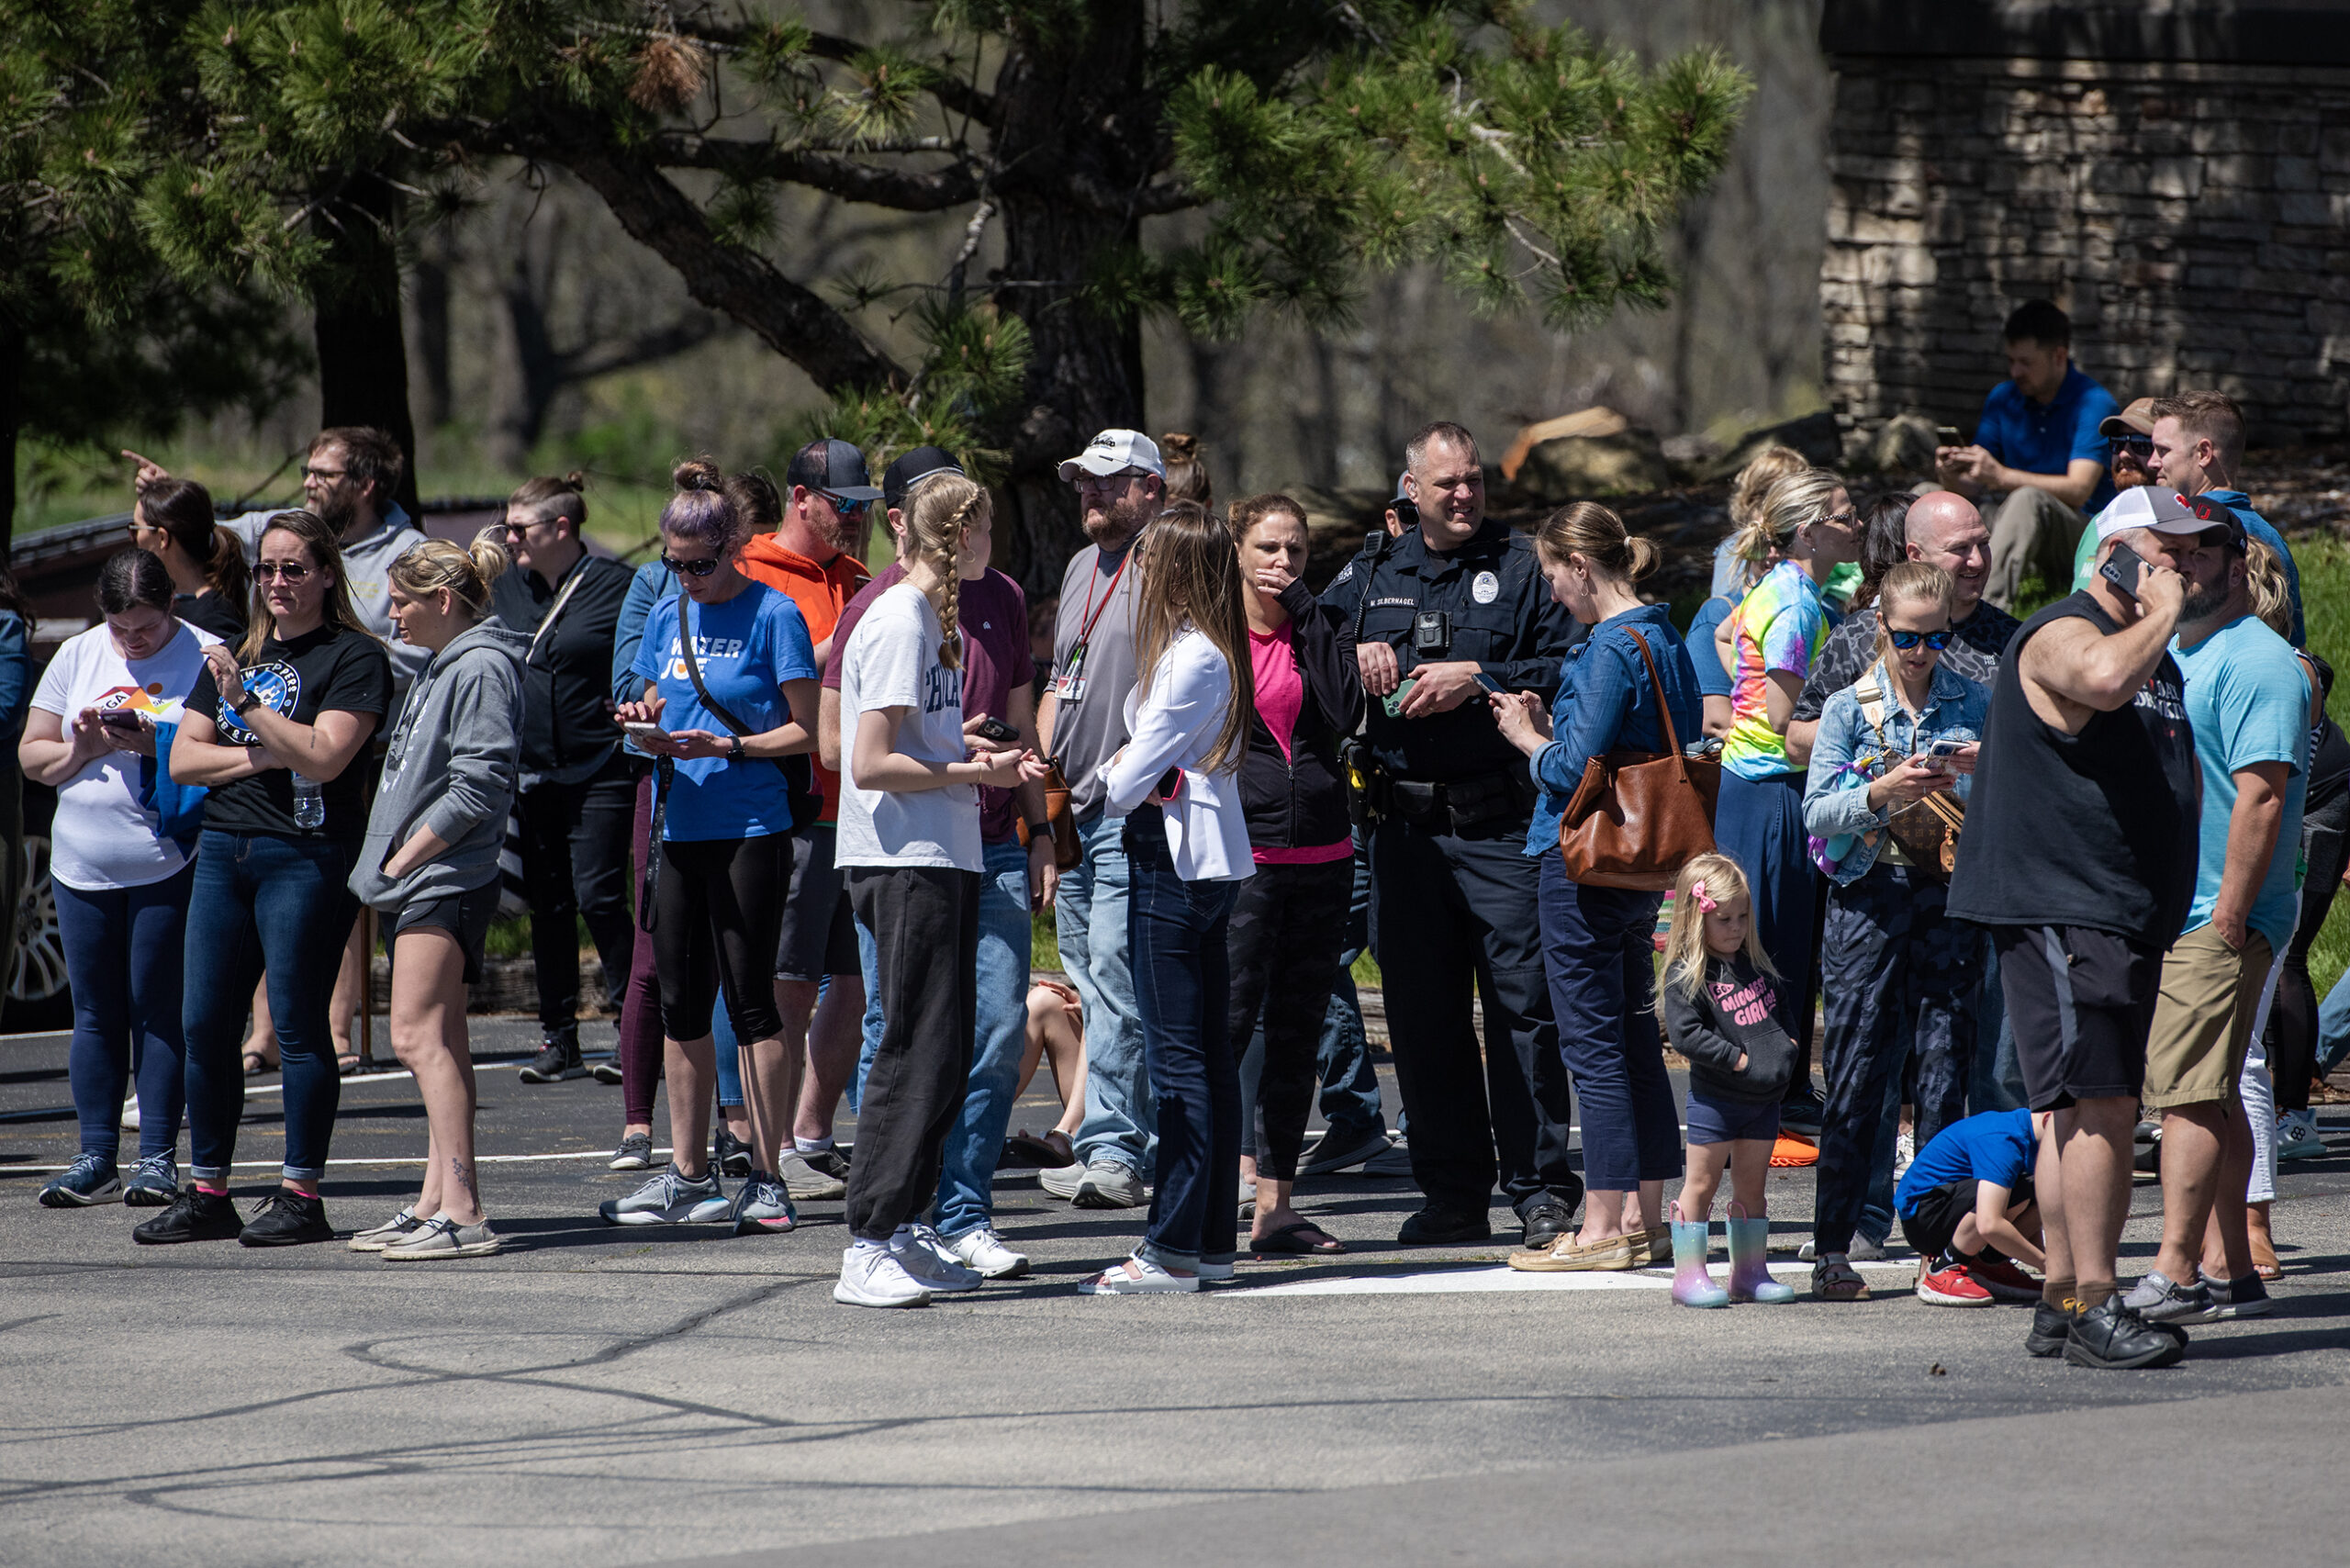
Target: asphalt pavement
(615, 1396)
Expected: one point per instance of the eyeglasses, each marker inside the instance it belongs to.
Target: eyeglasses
(1906, 641)
(844, 505)
(701, 568)
(1108, 481)
(2138, 446)
(281, 571)
(324, 475)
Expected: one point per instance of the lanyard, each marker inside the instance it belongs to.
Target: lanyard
(1093, 613)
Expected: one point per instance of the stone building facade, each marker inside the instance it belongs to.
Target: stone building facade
(2175, 174)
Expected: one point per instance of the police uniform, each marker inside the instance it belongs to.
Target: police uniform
(1453, 894)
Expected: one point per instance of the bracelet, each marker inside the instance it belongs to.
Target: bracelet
(246, 703)
(1040, 830)
(735, 748)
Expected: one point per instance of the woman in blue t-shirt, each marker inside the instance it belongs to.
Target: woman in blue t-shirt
(730, 690)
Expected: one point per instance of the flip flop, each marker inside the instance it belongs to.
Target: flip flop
(1290, 1241)
(346, 1066)
(1048, 1152)
(256, 1064)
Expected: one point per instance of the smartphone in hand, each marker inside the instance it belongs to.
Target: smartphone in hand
(1488, 685)
(2123, 569)
(996, 731)
(642, 732)
(118, 719)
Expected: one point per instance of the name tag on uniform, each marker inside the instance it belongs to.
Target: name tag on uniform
(1070, 687)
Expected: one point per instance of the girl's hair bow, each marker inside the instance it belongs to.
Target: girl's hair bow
(1705, 904)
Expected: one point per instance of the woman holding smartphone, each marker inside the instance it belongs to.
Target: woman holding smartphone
(122, 887)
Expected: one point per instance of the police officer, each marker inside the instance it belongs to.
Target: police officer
(1453, 896)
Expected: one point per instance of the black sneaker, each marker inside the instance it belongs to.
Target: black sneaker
(287, 1218)
(1544, 1221)
(1801, 1111)
(191, 1216)
(2110, 1337)
(729, 1156)
(557, 1063)
(608, 1070)
(2049, 1326)
(1435, 1227)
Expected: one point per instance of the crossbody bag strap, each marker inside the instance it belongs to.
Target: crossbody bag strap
(555, 611)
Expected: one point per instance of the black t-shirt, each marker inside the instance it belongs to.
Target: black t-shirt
(326, 669)
(566, 729)
(213, 613)
(2098, 829)
(1851, 649)
(2329, 763)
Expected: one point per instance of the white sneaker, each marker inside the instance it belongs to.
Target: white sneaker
(1905, 1150)
(130, 1112)
(981, 1248)
(1863, 1250)
(872, 1276)
(931, 1262)
(1145, 1278)
(2297, 1137)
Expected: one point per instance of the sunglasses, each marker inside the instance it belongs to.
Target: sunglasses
(2138, 446)
(281, 571)
(844, 505)
(701, 568)
(2215, 539)
(1906, 641)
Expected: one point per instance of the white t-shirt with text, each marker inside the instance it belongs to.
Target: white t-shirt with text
(892, 662)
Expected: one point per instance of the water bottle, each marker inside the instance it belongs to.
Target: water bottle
(310, 803)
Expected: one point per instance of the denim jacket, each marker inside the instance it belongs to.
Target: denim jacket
(1847, 756)
(1605, 704)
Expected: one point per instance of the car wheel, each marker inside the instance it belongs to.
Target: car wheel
(38, 996)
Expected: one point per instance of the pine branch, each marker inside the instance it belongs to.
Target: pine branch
(951, 92)
(852, 179)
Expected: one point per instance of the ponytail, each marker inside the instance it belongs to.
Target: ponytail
(2264, 584)
(225, 572)
(182, 510)
(466, 571)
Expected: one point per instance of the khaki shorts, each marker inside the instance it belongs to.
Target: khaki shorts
(2203, 1020)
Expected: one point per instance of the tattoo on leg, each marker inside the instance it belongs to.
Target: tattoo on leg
(463, 1173)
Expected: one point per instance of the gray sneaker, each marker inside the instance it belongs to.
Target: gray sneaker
(1396, 1161)
(154, 1184)
(929, 1261)
(1063, 1181)
(635, 1153)
(812, 1178)
(1110, 1185)
(399, 1228)
(763, 1207)
(442, 1237)
(2246, 1297)
(1327, 1155)
(2157, 1300)
(669, 1199)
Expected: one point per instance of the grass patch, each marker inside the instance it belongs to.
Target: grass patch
(2325, 567)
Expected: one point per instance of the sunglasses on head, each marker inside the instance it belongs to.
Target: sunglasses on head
(1906, 641)
(701, 568)
(2138, 446)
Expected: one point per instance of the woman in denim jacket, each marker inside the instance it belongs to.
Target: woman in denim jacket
(1899, 975)
(1597, 944)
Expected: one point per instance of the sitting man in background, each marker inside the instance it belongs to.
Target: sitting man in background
(2038, 446)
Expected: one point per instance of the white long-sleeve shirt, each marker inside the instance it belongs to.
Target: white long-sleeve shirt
(1175, 725)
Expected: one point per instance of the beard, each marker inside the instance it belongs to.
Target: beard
(1120, 523)
(337, 510)
(2202, 601)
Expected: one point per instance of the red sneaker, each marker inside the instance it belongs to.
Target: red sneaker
(2004, 1279)
(1951, 1286)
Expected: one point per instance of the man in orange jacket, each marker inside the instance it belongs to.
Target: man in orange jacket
(814, 555)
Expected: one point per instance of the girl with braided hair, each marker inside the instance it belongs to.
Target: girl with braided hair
(909, 843)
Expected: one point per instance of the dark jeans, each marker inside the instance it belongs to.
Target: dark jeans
(1287, 925)
(1597, 947)
(925, 925)
(1759, 823)
(124, 949)
(716, 920)
(1902, 981)
(280, 905)
(2292, 1018)
(1449, 913)
(1178, 946)
(638, 1046)
(575, 867)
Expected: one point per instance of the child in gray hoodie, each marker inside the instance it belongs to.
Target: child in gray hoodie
(429, 866)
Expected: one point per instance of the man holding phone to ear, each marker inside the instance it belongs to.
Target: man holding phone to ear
(2080, 855)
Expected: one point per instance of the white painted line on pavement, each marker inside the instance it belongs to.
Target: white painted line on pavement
(398, 1160)
(1504, 1278)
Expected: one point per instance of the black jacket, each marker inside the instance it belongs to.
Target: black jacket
(1298, 801)
(568, 730)
(1732, 1013)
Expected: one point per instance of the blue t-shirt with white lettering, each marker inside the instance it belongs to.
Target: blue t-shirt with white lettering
(2043, 437)
(748, 648)
(1995, 1147)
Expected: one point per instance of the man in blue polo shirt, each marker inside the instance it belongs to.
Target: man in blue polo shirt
(2198, 444)
(2037, 445)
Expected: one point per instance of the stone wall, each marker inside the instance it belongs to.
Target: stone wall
(2189, 214)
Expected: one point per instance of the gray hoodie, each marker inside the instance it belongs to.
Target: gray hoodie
(450, 767)
(368, 562)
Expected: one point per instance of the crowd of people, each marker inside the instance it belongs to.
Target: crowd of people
(2032, 879)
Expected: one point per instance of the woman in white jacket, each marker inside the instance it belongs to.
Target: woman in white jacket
(1177, 783)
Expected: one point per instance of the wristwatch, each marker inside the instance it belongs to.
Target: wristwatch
(735, 748)
(245, 704)
(1037, 830)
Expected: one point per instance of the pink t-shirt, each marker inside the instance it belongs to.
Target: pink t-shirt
(1280, 696)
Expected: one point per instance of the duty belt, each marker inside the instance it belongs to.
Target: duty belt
(1457, 805)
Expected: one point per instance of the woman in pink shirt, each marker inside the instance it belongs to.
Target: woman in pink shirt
(1291, 919)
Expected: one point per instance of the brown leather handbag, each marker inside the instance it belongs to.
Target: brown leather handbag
(1068, 848)
(1637, 817)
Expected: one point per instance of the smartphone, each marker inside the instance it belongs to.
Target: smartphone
(2123, 569)
(116, 719)
(1488, 685)
(1946, 435)
(995, 730)
(1169, 783)
(1940, 749)
(1393, 700)
(642, 732)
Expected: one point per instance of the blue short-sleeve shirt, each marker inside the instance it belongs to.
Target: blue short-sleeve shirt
(2043, 437)
(748, 648)
(2249, 703)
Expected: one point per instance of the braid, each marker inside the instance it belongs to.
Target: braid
(950, 597)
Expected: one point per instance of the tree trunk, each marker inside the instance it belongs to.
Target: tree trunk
(428, 297)
(12, 419)
(363, 354)
(1070, 105)
(525, 371)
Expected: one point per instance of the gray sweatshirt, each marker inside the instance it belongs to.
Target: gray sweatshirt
(450, 767)
(368, 560)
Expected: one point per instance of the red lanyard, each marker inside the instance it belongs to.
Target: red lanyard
(1091, 615)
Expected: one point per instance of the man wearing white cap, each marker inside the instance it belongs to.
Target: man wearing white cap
(1121, 482)
(2080, 855)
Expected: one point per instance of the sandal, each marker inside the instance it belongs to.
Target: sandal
(1049, 1150)
(1833, 1279)
(257, 1064)
(1290, 1241)
(347, 1065)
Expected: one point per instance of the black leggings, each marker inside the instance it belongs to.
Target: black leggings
(717, 919)
(2292, 1019)
(1289, 927)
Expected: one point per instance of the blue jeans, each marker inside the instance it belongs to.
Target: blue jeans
(1092, 926)
(2333, 1025)
(124, 948)
(1178, 933)
(868, 961)
(967, 1176)
(280, 905)
(1596, 952)
(727, 1047)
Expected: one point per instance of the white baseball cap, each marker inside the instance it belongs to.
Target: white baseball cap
(2149, 507)
(1115, 452)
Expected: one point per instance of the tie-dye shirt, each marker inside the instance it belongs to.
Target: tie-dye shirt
(1779, 625)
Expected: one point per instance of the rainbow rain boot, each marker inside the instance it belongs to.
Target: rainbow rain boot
(1749, 1275)
(1691, 1285)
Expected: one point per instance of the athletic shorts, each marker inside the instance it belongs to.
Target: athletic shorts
(2080, 1002)
(1727, 1121)
(464, 916)
(819, 932)
(1933, 1222)
(2203, 1020)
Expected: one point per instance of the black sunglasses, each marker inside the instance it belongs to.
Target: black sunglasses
(842, 505)
(690, 568)
(2138, 446)
(1905, 640)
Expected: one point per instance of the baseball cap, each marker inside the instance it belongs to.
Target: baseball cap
(835, 467)
(1114, 452)
(2214, 515)
(2154, 508)
(912, 467)
(2138, 418)
(1403, 496)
